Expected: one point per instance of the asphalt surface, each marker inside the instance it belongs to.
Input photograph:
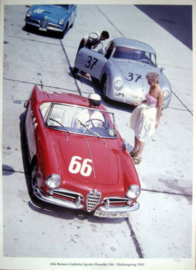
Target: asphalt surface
(177, 20)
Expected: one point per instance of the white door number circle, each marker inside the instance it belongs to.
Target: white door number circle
(78, 166)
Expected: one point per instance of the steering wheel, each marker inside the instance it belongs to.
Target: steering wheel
(145, 61)
(91, 121)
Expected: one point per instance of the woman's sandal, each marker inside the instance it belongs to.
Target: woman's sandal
(133, 154)
(137, 161)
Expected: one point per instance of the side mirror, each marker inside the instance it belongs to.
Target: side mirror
(25, 103)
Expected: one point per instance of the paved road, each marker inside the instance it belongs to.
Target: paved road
(177, 20)
(161, 228)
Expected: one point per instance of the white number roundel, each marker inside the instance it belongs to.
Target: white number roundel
(76, 165)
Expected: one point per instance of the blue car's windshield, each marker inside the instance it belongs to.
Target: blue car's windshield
(63, 6)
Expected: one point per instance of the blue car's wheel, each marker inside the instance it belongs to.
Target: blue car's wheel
(73, 22)
(65, 30)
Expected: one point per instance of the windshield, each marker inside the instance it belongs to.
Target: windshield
(135, 55)
(63, 6)
(80, 120)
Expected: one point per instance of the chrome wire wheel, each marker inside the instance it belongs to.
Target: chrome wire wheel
(34, 184)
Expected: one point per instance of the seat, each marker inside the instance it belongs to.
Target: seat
(60, 115)
(74, 120)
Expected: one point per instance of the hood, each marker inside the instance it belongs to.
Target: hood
(134, 74)
(90, 159)
(51, 11)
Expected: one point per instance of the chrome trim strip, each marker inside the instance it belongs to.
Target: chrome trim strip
(56, 201)
(33, 24)
(54, 29)
(55, 25)
(122, 209)
(62, 190)
(116, 200)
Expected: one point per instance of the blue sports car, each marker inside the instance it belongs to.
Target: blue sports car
(55, 18)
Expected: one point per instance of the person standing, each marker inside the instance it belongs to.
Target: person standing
(90, 41)
(146, 116)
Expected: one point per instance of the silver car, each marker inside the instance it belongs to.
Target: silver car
(121, 69)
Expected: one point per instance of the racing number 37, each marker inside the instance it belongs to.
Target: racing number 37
(78, 166)
(91, 62)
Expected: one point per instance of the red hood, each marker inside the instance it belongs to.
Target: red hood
(90, 159)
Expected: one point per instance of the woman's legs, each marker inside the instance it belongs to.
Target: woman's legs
(136, 145)
(141, 148)
(137, 151)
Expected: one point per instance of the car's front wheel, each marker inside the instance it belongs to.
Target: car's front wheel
(65, 30)
(27, 27)
(73, 22)
(34, 184)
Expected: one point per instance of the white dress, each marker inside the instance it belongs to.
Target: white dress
(143, 118)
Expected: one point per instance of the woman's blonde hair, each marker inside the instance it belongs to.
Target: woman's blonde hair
(153, 77)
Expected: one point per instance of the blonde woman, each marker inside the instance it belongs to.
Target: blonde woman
(146, 116)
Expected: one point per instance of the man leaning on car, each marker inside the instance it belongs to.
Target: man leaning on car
(90, 41)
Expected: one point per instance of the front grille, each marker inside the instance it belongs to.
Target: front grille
(116, 200)
(54, 25)
(43, 22)
(67, 194)
(93, 199)
(33, 21)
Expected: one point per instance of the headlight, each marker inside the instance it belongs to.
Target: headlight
(29, 14)
(118, 85)
(61, 21)
(53, 181)
(166, 94)
(133, 192)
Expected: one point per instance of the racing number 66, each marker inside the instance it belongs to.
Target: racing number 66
(76, 165)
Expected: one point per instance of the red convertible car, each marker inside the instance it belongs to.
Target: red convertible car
(75, 164)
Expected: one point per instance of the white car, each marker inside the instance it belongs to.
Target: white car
(121, 70)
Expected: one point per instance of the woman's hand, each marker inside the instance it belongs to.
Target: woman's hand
(137, 103)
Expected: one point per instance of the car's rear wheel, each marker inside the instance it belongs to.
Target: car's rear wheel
(104, 88)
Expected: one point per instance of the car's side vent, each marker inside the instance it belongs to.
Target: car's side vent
(93, 199)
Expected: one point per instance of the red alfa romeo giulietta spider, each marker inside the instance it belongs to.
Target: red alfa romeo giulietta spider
(77, 164)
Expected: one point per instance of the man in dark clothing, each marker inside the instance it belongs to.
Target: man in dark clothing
(90, 41)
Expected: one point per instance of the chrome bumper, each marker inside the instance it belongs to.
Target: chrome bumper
(48, 28)
(116, 212)
(59, 202)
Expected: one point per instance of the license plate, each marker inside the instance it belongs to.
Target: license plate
(111, 215)
(42, 29)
